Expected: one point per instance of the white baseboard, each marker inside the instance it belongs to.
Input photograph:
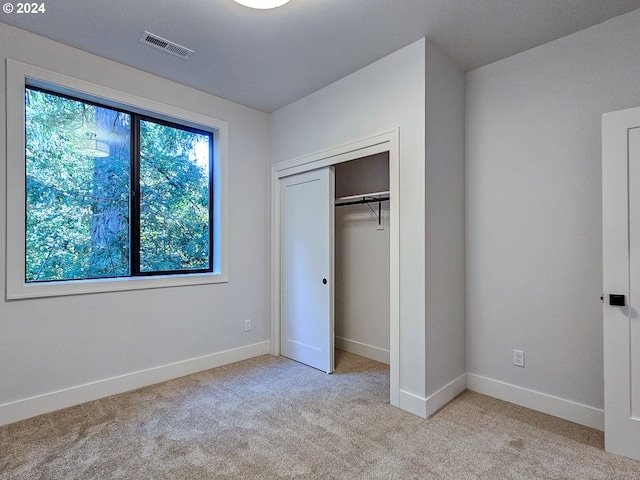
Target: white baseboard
(413, 404)
(541, 402)
(447, 393)
(425, 407)
(362, 349)
(49, 402)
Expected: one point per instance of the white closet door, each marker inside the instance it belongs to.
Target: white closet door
(306, 220)
(621, 268)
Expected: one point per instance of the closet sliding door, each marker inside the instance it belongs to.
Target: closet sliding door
(306, 222)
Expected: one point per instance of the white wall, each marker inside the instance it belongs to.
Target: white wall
(533, 215)
(362, 281)
(384, 96)
(50, 345)
(387, 95)
(444, 224)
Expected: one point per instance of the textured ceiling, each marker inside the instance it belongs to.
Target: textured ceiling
(267, 59)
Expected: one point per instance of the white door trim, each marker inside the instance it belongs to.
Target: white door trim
(386, 142)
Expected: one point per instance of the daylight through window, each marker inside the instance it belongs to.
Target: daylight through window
(111, 193)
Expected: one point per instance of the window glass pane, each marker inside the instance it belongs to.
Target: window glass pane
(175, 166)
(77, 189)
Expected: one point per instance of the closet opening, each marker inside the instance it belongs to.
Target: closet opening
(362, 257)
(303, 199)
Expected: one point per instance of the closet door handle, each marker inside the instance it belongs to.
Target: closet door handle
(617, 300)
(324, 281)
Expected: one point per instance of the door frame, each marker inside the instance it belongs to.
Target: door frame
(385, 142)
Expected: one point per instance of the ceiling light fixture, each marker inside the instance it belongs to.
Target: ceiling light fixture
(93, 148)
(262, 4)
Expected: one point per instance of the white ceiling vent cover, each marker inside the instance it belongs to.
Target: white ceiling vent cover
(166, 45)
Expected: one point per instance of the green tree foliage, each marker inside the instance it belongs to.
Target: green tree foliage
(174, 199)
(65, 196)
(78, 204)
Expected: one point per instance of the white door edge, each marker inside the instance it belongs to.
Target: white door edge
(620, 435)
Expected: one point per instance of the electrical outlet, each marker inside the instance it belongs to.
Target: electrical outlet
(247, 325)
(518, 358)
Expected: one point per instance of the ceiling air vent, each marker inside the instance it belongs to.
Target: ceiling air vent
(162, 44)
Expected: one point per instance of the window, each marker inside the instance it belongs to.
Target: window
(107, 191)
(111, 193)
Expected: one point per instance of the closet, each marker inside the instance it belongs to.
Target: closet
(362, 280)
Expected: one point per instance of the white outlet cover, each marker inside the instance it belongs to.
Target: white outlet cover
(518, 358)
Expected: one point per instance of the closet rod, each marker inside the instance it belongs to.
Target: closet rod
(362, 201)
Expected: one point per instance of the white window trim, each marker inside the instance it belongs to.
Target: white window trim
(18, 76)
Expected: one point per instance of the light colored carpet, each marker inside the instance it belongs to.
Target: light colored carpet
(270, 417)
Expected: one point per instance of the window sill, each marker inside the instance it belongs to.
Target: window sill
(81, 287)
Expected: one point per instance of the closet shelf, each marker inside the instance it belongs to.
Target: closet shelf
(365, 198)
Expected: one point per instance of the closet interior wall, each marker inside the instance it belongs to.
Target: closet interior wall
(362, 259)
